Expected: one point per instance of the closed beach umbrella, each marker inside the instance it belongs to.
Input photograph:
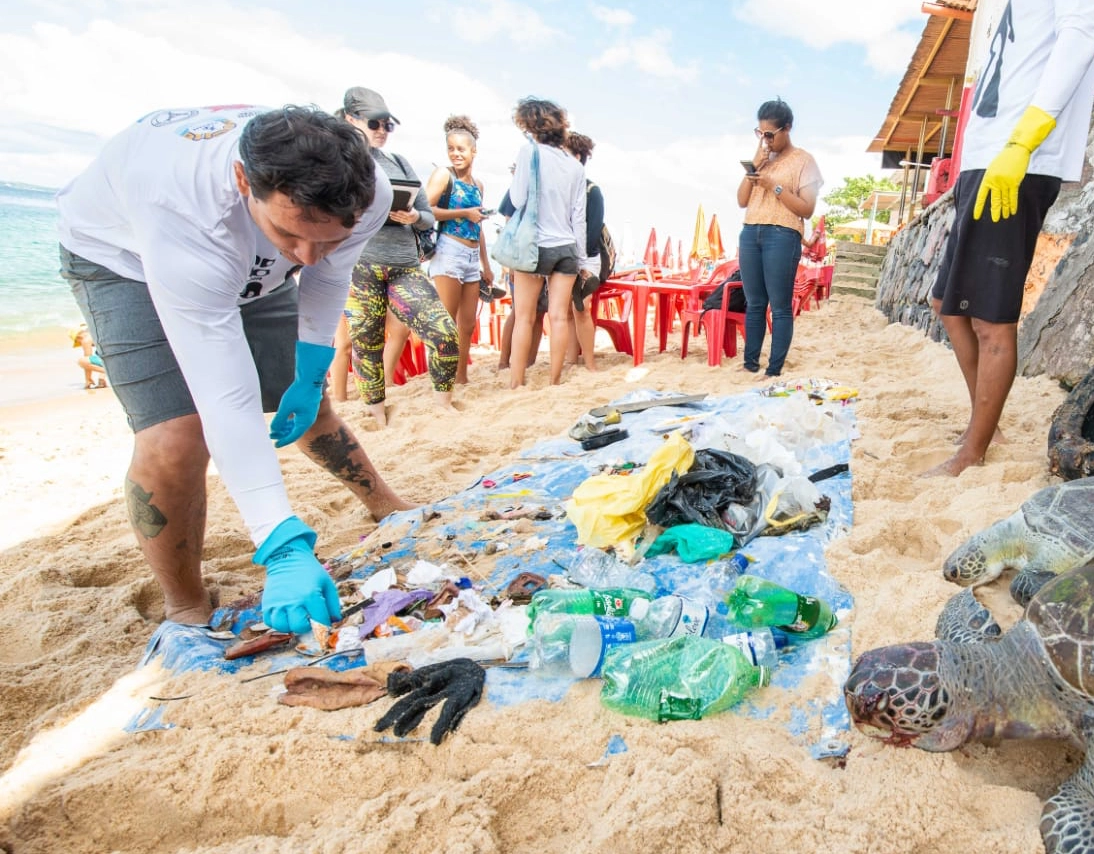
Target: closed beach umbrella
(700, 244)
(714, 238)
(666, 255)
(651, 258)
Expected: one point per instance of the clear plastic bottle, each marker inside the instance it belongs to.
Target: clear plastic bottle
(668, 616)
(600, 570)
(614, 602)
(575, 644)
(757, 602)
(760, 646)
(682, 678)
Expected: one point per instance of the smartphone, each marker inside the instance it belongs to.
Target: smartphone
(749, 167)
(488, 212)
(602, 439)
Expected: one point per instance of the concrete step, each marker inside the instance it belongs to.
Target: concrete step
(847, 247)
(843, 266)
(847, 290)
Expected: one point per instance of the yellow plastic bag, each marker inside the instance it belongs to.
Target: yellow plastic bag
(610, 509)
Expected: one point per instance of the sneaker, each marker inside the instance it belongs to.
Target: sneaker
(488, 293)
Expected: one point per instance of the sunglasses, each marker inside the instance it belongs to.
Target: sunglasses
(376, 124)
(760, 134)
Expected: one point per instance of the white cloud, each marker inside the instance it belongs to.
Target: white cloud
(879, 26)
(648, 54)
(519, 24)
(613, 17)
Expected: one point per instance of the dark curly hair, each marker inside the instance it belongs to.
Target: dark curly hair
(580, 146)
(777, 111)
(544, 120)
(321, 163)
(461, 124)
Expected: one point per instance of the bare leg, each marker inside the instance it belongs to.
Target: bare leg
(339, 368)
(466, 318)
(526, 287)
(396, 335)
(537, 337)
(997, 360)
(331, 444)
(559, 288)
(506, 344)
(165, 497)
(966, 347)
(586, 333)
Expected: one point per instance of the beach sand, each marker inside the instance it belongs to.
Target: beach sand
(239, 773)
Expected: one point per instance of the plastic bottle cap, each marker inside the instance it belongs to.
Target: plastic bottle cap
(639, 608)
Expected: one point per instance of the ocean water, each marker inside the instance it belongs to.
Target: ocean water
(34, 299)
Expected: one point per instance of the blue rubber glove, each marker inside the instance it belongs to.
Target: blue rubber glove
(298, 589)
(300, 402)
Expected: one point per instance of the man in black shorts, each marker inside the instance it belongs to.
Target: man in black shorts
(1027, 131)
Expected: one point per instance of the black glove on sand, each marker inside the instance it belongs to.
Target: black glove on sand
(459, 682)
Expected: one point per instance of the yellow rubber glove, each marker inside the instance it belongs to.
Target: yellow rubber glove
(1006, 171)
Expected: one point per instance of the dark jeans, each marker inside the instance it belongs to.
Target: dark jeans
(769, 256)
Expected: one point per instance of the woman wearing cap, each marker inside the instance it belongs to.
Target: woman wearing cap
(460, 262)
(777, 197)
(388, 274)
(560, 232)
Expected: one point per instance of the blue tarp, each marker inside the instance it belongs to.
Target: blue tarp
(547, 475)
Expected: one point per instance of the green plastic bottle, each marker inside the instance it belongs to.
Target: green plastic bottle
(615, 602)
(681, 678)
(757, 602)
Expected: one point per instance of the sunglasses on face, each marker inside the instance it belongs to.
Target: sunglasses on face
(376, 124)
(760, 134)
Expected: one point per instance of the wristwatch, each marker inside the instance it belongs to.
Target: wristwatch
(778, 189)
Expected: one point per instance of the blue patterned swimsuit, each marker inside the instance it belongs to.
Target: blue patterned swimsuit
(464, 195)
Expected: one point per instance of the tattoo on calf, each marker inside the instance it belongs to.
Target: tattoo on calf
(335, 452)
(145, 516)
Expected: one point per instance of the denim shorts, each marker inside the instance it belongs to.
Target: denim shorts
(456, 261)
(139, 362)
(557, 259)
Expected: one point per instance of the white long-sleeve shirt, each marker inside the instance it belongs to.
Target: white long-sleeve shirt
(1041, 54)
(561, 216)
(160, 205)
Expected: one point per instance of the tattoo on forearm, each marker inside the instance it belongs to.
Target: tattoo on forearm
(145, 516)
(335, 452)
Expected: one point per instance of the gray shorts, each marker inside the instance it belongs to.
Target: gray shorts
(139, 362)
(557, 259)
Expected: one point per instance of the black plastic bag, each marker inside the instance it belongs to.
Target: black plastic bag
(737, 301)
(716, 480)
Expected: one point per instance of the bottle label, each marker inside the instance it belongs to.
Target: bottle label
(607, 604)
(693, 618)
(673, 707)
(809, 608)
(743, 641)
(591, 641)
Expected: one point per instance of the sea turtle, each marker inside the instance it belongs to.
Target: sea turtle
(1051, 532)
(1071, 436)
(1035, 681)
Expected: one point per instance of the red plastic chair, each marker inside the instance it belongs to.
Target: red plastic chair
(824, 283)
(611, 311)
(720, 324)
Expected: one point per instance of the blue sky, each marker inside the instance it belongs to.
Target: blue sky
(668, 91)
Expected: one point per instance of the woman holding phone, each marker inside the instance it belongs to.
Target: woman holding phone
(461, 262)
(778, 194)
(388, 274)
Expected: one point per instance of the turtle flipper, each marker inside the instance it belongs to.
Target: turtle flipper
(1027, 582)
(965, 620)
(1067, 821)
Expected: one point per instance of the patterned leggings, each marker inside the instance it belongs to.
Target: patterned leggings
(413, 300)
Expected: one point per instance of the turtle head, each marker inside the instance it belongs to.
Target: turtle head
(969, 564)
(897, 693)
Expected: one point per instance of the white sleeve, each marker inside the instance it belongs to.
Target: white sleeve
(1071, 55)
(194, 279)
(518, 189)
(325, 286)
(577, 214)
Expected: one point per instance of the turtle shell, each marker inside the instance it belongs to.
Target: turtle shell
(1062, 612)
(1063, 514)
